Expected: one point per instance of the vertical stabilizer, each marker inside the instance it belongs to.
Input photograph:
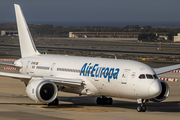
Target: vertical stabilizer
(27, 45)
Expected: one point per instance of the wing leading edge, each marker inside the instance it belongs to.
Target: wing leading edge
(166, 69)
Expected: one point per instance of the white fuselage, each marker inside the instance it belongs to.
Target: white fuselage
(108, 77)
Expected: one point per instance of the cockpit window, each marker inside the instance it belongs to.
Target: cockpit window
(155, 76)
(142, 76)
(149, 76)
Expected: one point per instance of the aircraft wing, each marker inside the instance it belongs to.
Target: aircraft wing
(9, 64)
(166, 69)
(69, 82)
(15, 75)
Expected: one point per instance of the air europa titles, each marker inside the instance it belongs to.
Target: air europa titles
(99, 72)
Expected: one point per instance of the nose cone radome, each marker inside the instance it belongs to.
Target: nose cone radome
(155, 88)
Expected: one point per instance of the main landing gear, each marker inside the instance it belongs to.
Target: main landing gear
(104, 101)
(141, 107)
(54, 103)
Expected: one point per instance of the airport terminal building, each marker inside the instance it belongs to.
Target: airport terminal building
(111, 35)
(104, 34)
(9, 33)
(177, 38)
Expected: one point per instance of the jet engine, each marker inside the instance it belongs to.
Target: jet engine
(164, 93)
(42, 90)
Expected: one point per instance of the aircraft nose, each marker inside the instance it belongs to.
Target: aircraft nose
(154, 88)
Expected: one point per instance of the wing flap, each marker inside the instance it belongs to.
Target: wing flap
(166, 69)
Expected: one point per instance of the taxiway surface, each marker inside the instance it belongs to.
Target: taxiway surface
(16, 50)
(15, 105)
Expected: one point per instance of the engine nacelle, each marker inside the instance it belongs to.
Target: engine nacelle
(164, 93)
(41, 90)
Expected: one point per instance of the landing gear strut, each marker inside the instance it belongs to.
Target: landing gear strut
(104, 101)
(54, 103)
(141, 107)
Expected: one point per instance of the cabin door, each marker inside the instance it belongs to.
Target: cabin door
(27, 67)
(52, 69)
(124, 77)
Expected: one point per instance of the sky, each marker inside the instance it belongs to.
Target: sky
(92, 10)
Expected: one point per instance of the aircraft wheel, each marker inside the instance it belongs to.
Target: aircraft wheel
(143, 108)
(104, 101)
(54, 103)
(99, 101)
(110, 101)
(139, 108)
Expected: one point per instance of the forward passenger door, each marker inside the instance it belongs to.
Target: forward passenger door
(125, 76)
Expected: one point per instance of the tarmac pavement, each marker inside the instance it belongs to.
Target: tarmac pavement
(15, 105)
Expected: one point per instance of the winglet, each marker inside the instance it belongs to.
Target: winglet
(27, 45)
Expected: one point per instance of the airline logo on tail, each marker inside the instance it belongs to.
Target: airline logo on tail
(99, 72)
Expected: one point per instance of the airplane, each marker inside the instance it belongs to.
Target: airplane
(46, 74)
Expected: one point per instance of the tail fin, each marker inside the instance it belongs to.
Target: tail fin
(27, 45)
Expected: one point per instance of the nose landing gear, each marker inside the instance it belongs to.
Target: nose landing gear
(142, 106)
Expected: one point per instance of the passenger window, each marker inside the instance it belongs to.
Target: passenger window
(155, 76)
(142, 76)
(149, 76)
